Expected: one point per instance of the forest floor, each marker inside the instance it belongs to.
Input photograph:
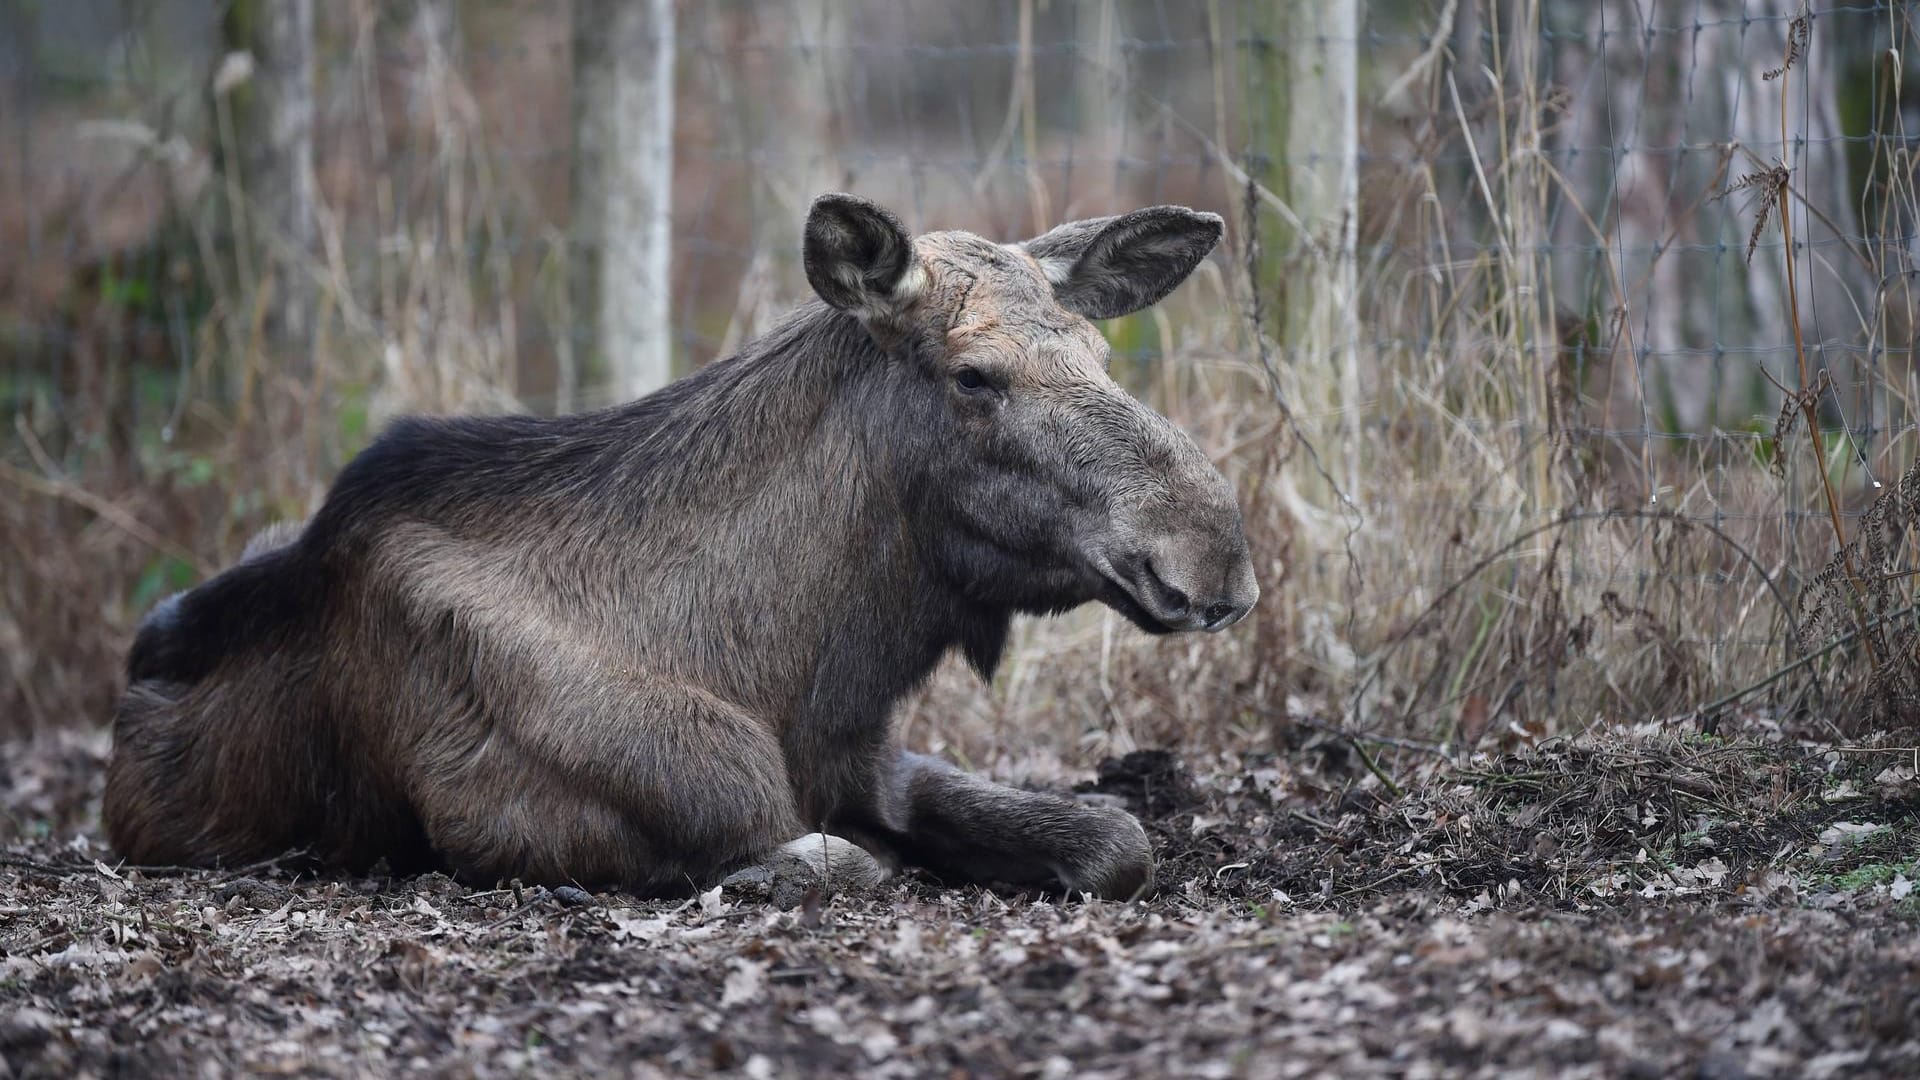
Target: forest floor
(1616, 906)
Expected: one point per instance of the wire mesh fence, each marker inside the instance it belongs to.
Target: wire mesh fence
(1511, 348)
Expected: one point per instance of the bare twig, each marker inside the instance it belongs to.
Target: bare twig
(1565, 519)
(1778, 181)
(117, 516)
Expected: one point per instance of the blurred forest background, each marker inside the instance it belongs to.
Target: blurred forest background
(1512, 348)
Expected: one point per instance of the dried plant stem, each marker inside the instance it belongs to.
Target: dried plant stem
(1374, 767)
(1566, 518)
(1809, 403)
(1825, 650)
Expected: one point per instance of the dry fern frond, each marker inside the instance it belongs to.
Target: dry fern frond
(1794, 405)
(1799, 36)
(1872, 605)
(1764, 188)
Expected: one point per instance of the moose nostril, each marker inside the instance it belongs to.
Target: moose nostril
(1174, 600)
(1218, 613)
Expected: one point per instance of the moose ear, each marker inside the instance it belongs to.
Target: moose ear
(859, 258)
(1107, 267)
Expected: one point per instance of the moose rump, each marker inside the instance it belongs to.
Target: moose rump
(648, 645)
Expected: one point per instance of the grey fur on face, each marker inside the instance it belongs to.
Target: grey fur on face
(648, 646)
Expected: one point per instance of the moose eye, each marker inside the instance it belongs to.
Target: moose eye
(970, 380)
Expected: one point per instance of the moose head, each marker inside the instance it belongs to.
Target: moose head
(1043, 483)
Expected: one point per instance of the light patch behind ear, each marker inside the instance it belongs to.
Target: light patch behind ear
(1057, 271)
(859, 258)
(1107, 267)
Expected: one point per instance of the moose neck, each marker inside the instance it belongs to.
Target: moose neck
(783, 567)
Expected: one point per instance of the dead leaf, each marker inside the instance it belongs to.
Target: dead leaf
(746, 982)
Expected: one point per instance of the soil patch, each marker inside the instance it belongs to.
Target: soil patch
(1604, 908)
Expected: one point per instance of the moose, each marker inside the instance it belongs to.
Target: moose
(648, 646)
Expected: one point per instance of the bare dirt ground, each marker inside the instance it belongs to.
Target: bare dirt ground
(1629, 906)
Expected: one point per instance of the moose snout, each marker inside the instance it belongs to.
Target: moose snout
(1188, 586)
(1173, 550)
(1186, 601)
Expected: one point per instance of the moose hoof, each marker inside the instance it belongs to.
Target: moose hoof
(814, 861)
(1118, 865)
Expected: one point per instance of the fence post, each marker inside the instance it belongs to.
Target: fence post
(621, 233)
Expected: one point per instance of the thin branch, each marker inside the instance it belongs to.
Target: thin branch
(107, 511)
(1565, 519)
(1826, 650)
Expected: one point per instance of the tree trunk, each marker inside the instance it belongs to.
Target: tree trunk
(801, 118)
(275, 147)
(1320, 317)
(621, 236)
(1100, 94)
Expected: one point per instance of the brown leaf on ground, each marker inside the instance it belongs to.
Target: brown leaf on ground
(1607, 907)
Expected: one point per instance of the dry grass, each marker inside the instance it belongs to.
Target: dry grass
(1481, 553)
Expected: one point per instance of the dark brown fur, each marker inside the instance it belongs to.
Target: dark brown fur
(645, 645)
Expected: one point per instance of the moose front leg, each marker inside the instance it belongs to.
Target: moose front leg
(962, 826)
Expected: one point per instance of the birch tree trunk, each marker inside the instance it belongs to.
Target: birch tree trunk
(621, 234)
(275, 148)
(802, 114)
(1321, 38)
(1100, 86)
